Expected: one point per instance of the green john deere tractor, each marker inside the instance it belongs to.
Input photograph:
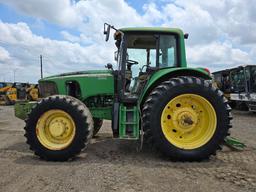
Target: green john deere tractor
(152, 96)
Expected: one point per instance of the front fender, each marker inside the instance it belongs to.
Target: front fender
(23, 108)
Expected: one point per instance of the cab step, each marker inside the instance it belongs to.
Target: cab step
(128, 122)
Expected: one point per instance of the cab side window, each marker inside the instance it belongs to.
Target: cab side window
(167, 51)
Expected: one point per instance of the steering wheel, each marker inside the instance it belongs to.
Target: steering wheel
(141, 69)
(132, 62)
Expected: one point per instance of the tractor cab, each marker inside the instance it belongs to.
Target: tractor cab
(145, 55)
(140, 53)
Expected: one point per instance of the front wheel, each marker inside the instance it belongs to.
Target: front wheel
(186, 118)
(58, 128)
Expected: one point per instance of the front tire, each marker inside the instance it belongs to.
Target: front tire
(58, 128)
(186, 118)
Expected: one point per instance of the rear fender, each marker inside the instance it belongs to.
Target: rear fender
(165, 74)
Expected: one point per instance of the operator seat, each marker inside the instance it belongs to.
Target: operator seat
(142, 79)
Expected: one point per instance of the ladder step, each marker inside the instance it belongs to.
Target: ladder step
(128, 110)
(129, 138)
(129, 123)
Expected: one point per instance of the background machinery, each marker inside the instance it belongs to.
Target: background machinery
(5, 99)
(239, 86)
(32, 92)
(12, 92)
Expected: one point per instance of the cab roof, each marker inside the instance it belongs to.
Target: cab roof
(152, 29)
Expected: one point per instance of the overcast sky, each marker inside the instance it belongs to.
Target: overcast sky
(69, 33)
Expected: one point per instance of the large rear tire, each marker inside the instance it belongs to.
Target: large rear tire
(58, 128)
(186, 118)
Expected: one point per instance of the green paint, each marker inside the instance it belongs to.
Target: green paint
(89, 72)
(102, 112)
(234, 143)
(128, 120)
(152, 29)
(23, 108)
(171, 72)
(91, 83)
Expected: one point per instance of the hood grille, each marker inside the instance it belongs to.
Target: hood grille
(47, 89)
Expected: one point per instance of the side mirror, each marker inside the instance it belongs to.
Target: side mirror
(107, 31)
(109, 66)
(186, 36)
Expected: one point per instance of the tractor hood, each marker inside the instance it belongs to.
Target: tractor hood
(89, 73)
(86, 84)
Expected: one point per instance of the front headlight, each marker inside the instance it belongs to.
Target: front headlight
(47, 88)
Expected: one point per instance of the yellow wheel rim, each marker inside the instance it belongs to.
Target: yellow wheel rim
(188, 121)
(55, 129)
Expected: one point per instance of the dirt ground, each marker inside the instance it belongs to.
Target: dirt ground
(113, 165)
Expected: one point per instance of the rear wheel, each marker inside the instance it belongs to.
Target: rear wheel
(58, 128)
(186, 118)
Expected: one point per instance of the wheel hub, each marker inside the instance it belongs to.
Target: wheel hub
(57, 128)
(185, 119)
